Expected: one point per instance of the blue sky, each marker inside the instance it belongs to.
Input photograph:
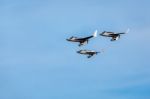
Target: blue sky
(36, 62)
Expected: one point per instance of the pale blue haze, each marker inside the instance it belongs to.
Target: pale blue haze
(36, 62)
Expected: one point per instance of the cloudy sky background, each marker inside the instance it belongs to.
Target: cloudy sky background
(36, 62)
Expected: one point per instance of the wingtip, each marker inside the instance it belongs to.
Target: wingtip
(127, 31)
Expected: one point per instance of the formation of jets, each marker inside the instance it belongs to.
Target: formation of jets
(84, 40)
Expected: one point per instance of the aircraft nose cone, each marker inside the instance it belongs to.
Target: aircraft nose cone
(78, 51)
(101, 33)
(67, 39)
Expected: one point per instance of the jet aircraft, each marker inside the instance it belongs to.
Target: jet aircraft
(114, 36)
(89, 53)
(82, 41)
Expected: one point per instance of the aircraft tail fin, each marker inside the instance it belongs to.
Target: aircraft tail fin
(95, 33)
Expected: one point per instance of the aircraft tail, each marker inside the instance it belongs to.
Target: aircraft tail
(95, 33)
